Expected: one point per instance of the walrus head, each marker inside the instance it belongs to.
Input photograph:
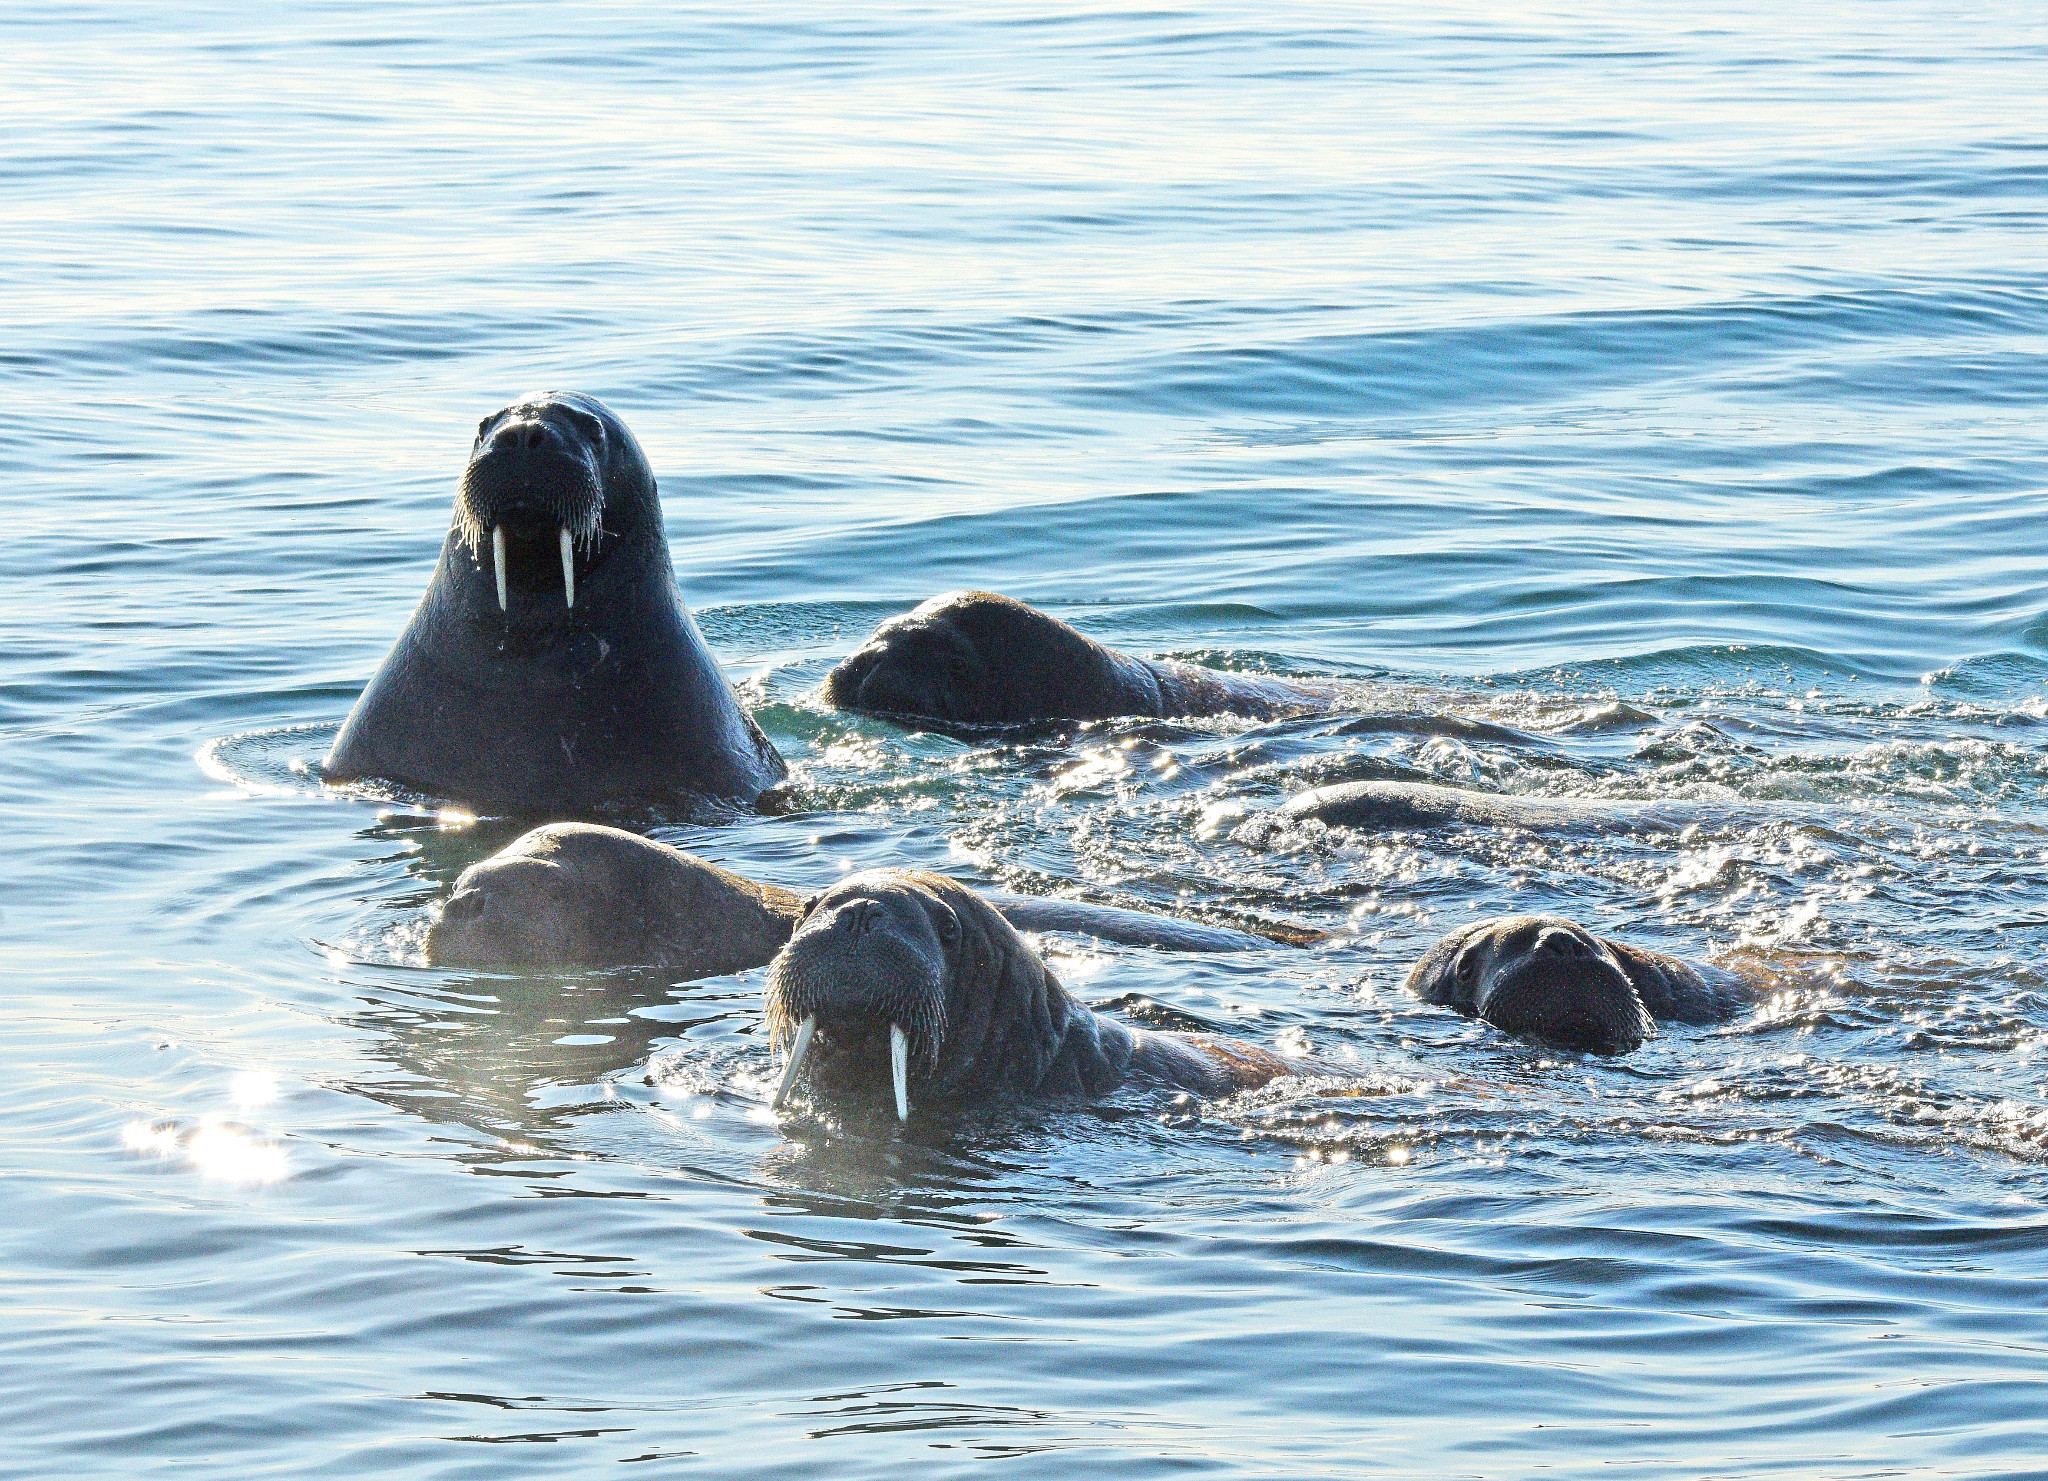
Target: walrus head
(584, 895)
(906, 979)
(1538, 975)
(975, 658)
(536, 903)
(555, 484)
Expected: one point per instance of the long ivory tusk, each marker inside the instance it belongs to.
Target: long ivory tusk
(568, 568)
(797, 1052)
(498, 561)
(899, 1069)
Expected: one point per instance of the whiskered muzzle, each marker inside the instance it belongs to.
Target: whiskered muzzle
(562, 512)
(800, 1004)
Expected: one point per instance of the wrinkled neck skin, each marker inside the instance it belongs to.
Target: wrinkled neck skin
(1675, 990)
(1033, 1040)
(1002, 1025)
(1189, 689)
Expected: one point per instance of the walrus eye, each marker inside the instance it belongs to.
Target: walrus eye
(1468, 965)
(812, 903)
(948, 925)
(483, 427)
(591, 427)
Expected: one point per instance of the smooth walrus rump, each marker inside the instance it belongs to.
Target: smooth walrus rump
(1549, 979)
(973, 658)
(583, 895)
(551, 667)
(908, 985)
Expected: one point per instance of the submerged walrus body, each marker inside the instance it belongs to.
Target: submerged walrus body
(1373, 805)
(551, 668)
(973, 658)
(908, 985)
(1550, 979)
(583, 895)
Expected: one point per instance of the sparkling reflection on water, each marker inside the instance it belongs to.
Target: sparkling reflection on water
(1660, 390)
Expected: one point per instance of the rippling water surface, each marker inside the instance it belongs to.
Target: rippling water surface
(1663, 383)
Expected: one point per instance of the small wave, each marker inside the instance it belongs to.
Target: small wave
(283, 761)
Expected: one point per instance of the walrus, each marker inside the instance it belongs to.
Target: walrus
(1547, 978)
(586, 895)
(973, 658)
(910, 980)
(1422, 805)
(551, 668)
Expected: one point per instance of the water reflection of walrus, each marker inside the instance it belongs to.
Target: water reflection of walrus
(581, 895)
(551, 666)
(903, 982)
(975, 658)
(1545, 977)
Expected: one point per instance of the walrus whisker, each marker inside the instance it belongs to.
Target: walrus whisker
(498, 563)
(899, 1069)
(796, 1059)
(568, 569)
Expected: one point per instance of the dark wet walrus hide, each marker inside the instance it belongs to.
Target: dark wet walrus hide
(583, 895)
(551, 668)
(973, 658)
(917, 965)
(1545, 977)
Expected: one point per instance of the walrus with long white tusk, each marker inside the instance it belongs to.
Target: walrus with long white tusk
(910, 984)
(551, 667)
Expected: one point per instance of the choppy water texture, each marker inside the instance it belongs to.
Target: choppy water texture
(1665, 383)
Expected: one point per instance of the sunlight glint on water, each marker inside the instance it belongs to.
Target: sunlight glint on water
(1662, 384)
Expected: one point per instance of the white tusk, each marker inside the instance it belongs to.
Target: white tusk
(797, 1051)
(899, 1069)
(568, 568)
(498, 561)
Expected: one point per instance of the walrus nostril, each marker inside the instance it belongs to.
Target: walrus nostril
(535, 438)
(465, 906)
(857, 917)
(1564, 944)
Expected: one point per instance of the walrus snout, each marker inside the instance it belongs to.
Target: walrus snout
(1537, 975)
(524, 434)
(866, 966)
(1552, 980)
(531, 502)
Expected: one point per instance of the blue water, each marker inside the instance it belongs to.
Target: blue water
(1665, 382)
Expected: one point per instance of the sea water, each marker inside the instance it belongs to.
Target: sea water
(1662, 383)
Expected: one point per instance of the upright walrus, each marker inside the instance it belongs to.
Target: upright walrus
(974, 658)
(551, 668)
